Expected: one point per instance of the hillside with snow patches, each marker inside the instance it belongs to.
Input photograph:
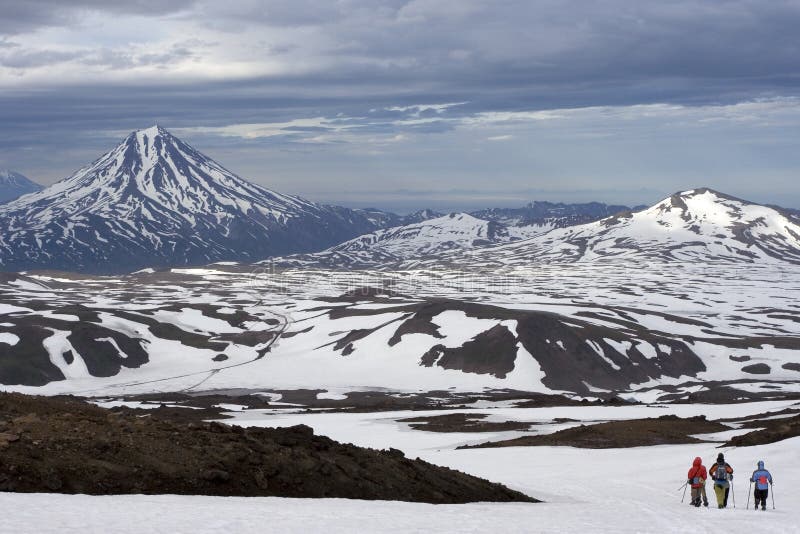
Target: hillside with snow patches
(13, 185)
(642, 330)
(701, 225)
(425, 239)
(155, 201)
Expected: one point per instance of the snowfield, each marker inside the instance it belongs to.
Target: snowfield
(612, 490)
(648, 329)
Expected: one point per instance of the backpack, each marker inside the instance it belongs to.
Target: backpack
(721, 473)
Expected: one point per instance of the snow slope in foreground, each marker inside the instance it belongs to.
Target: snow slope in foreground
(614, 490)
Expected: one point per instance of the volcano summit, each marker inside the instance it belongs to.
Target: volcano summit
(155, 201)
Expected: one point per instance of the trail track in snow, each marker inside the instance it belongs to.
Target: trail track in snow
(279, 330)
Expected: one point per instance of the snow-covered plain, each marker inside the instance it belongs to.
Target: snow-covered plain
(731, 316)
(613, 490)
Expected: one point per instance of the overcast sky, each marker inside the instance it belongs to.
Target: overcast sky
(409, 104)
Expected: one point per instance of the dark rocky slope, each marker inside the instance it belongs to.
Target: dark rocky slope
(68, 446)
(664, 430)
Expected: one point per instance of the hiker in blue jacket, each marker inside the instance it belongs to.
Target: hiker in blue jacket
(763, 480)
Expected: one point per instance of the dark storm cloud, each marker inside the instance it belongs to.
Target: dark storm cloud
(649, 50)
(510, 54)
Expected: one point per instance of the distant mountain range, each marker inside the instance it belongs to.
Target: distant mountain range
(154, 201)
(700, 225)
(13, 185)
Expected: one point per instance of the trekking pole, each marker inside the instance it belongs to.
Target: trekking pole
(773, 495)
(684, 491)
(733, 493)
(748, 495)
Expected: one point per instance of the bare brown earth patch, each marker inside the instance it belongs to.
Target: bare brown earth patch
(361, 401)
(665, 430)
(462, 422)
(491, 352)
(772, 430)
(715, 392)
(65, 445)
(756, 369)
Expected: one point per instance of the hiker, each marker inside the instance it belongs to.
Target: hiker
(763, 480)
(697, 480)
(722, 475)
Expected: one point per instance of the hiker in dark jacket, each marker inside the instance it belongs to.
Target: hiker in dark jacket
(697, 480)
(722, 475)
(763, 480)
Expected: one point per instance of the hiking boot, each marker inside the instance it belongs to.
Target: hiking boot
(763, 508)
(705, 503)
(720, 506)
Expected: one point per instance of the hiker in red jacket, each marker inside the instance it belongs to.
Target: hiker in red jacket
(697, 479)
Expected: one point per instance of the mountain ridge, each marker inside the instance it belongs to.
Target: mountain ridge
(717, 227)
(695, 225)
(389, 247)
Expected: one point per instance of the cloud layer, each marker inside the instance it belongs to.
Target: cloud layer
(392, 95)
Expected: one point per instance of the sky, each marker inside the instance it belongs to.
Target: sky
(408, 104)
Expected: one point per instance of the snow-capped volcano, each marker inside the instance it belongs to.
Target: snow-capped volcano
(698, 225)
(154, 200)
(14, 185)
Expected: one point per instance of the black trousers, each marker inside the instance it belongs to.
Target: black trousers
(761, 496)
